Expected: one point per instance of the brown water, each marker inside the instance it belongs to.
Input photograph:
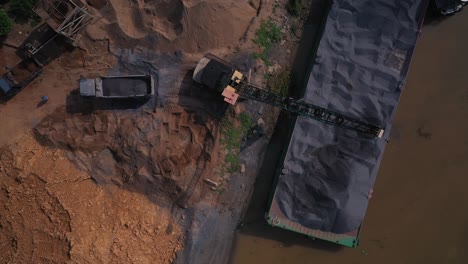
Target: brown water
(419, 211)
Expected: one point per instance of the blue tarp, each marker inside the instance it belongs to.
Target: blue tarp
(4, 86)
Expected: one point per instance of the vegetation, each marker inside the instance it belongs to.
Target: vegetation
(5, 23)
(232, 132)
(295, 7)
(23, 9)
(246, 122)
(266, 36)
(279, 82)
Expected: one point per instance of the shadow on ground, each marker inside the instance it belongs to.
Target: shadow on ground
(197, 98)
(75, 103)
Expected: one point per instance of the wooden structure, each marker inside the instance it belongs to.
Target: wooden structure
(66, 17)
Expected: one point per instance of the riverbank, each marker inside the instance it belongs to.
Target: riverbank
(416, 214)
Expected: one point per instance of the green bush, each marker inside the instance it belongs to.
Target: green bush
(268, 34)
(232, 134)
(23, 9)
(246, 122)
(5, 23)
(279, 82)
(295, 7)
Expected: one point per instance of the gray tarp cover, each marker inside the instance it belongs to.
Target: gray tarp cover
(363, 60)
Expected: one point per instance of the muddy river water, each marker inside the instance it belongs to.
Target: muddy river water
(419, 210)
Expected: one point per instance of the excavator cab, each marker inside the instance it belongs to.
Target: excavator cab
(212, 73)
(219, 76)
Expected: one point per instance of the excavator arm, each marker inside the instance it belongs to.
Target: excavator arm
(304, 109)
(220, 76)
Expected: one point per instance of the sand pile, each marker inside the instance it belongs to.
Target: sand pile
(188, 25)
(141, 151)
(54, 213)
(28, 205)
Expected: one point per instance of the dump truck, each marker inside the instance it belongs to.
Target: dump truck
(130, 86)
(41, 47)
(16, 78)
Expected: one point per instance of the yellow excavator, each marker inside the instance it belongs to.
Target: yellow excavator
(220, 76)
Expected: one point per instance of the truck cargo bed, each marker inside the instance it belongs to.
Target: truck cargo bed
(128, 86)
(21, 75)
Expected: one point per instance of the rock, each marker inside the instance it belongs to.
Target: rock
(288, 51)
(260, 122)
(242, 168)
(260, 111)
(211, 183)
(237, 110)
(274, 68)
(271, 69)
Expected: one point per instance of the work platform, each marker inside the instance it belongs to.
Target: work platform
(66, 17)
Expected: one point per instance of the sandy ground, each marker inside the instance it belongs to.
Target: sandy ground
(418, 212)
(185, 25)
(53, 213)
(100, 183)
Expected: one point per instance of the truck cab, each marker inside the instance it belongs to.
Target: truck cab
(5, 87)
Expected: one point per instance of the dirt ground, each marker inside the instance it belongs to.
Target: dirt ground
(122, 182)
(418, 213)
(53, 213)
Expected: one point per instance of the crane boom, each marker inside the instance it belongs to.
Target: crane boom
(218, 75)
(304, 109)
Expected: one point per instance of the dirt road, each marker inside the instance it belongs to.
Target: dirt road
(418, 213)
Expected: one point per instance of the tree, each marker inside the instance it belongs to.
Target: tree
(5, 23)
(22, 9)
